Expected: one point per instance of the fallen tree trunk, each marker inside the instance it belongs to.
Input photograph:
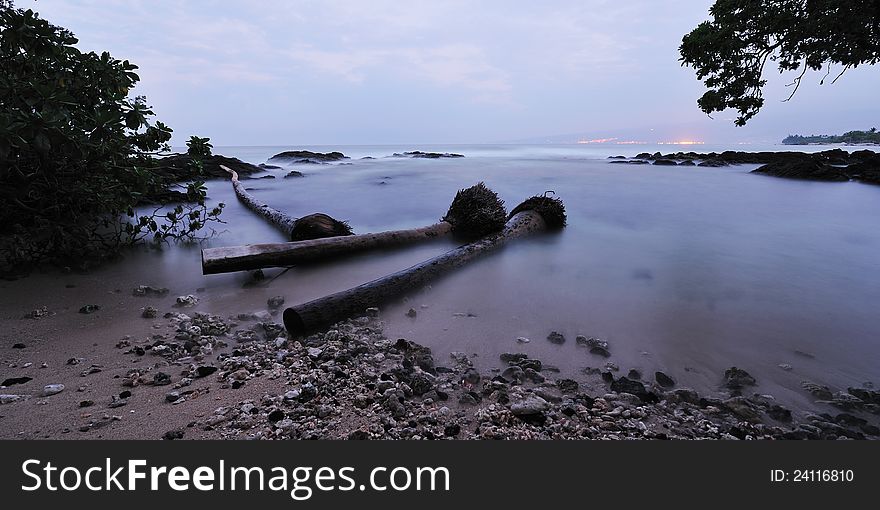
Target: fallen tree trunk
(475, 212)
(313, 226)
(543, 214)
(255, 256)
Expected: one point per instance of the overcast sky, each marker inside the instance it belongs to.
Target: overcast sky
(286, 72)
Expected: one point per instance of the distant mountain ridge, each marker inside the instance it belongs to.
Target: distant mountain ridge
(870, 136)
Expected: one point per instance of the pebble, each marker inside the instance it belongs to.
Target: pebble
(51, 389)
(186, 301)
(275, 302)
(411, 313)
(87, 309)
(150, 312)
(785, 366)
(522, 340)
(18, 345)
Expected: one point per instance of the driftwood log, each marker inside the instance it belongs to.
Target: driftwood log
(313, 226)
(256, 256)
(474, 212)
(541, 214)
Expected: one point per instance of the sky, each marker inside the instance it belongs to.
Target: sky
(345, 72)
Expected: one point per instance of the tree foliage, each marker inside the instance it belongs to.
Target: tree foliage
(729, 52)
(76, 150)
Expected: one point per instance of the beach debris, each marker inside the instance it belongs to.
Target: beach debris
(474, 212)
(529, 217)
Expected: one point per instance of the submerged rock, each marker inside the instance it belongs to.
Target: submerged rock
(736, 378)
(308, 157)
(807, 169)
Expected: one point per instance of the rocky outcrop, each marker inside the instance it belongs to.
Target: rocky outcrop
(177, 167)
(426, 155)
(833, 165)
(807, 169)
(308, 157)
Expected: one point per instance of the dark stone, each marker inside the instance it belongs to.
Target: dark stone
(664, 380)
(125, 394)
(556, 338)
(264, 166)
(530, 364)
(627, 385)
(451, 430)
(779, 413)
(18, 346)
(87, 403)
(276, 415)
(172, 435)
(293, 173)
(12, 381)
(511, 357)
(567, 385)
(607, 376)
(205, 370)
(665, 162)
(237, 384)
(634, 374)
(736, 378)
(161, 379)
(89, 309)
(687, 163)
(713, 163)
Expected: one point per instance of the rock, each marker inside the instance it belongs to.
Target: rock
(205, 370)
(533, 364)
(150, 312)
(634, 374)
(597, 346)
(178, 167)
(411, 313)
(275, 302)
(51, 389)
(302, 156)
(511, 357)
(18, 345)
(147, 290)
(12, 381)
(818, 391)
(665, 162)
(8, 399)
(664, 380)
(627, 385)
(186, 301)
(736, 378)
(807, 169)
(567, 385)
(529, 406)
(556, 338)
(86, 403)
(293, 173)
(522, 340)
(715, 163)
(161, 379)
(172, 396)
(117, 402)
(173, 434)
(87, 309)
(779, 413)
(427, 155)
(785, 366)
(630, 162)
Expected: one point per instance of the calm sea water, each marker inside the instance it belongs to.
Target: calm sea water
(682, 269)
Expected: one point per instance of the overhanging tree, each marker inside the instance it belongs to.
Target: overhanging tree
(730, 52)
(76, 152)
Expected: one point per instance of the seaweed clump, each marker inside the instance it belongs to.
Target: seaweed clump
(476, 211)
(551, 209)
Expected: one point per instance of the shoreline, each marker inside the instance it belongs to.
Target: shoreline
(201, 376)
